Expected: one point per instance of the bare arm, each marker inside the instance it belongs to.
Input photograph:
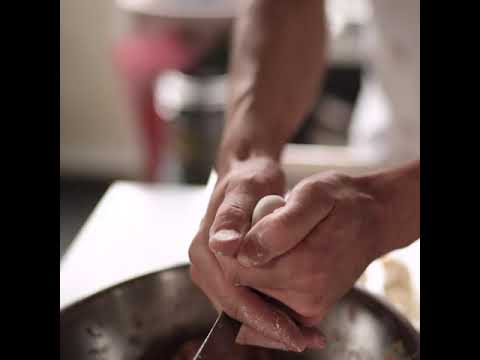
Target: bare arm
(278, 61)
(399, 192)
(337, 224)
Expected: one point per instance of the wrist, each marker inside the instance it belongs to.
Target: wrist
(397, 194)
(242, 147)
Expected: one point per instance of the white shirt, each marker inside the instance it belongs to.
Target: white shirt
(387, 117)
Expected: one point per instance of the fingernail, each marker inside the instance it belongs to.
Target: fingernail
(225, 235)
(252, 253)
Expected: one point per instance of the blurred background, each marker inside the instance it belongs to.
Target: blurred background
(143, 92)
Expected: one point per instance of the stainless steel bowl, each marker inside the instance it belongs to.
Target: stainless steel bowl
(148, 318)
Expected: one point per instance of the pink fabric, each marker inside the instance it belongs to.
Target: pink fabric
(144, 56)
(140, 58)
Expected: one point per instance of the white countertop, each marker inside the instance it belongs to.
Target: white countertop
(182, 9)
(138, 228)
(135, 229)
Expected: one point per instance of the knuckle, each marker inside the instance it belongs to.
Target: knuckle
(253, 183)
(260, 180)
(325, 181)
(230, 215)
(235, 211)
(317, 192)
(312, 189)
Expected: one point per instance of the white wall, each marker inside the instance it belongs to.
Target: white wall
(97, 133)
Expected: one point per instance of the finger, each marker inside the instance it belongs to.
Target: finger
(200, 241)
(268, 276)
(240, 303)
(231, 222)
(281, 231)
(239, 275)
(248, 336)
(215, 200)
(313, 337)
(274, 326)
(233, 219)
(264, 318)
(244, 305)
(305, 309)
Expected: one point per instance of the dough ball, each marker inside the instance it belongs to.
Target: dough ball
(265, 206)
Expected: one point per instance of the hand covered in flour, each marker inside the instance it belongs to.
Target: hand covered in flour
(213, 250)
(308, 253)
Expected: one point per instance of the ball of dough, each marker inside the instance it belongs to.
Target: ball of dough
(265, 206)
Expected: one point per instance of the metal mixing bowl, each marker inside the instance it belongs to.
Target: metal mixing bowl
(148, 318)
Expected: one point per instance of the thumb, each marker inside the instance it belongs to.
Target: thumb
(232, 221)
(281, 231)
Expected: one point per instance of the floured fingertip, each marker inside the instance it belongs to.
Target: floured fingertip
(276, 325)
(247, 336)
(224, 242)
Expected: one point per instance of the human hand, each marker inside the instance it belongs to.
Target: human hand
(309, 253)
(216, 244)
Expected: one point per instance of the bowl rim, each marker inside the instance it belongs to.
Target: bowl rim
(369, 299)
(100, 293)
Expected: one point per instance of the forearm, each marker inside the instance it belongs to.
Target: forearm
(398, 191)
(278, 58)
